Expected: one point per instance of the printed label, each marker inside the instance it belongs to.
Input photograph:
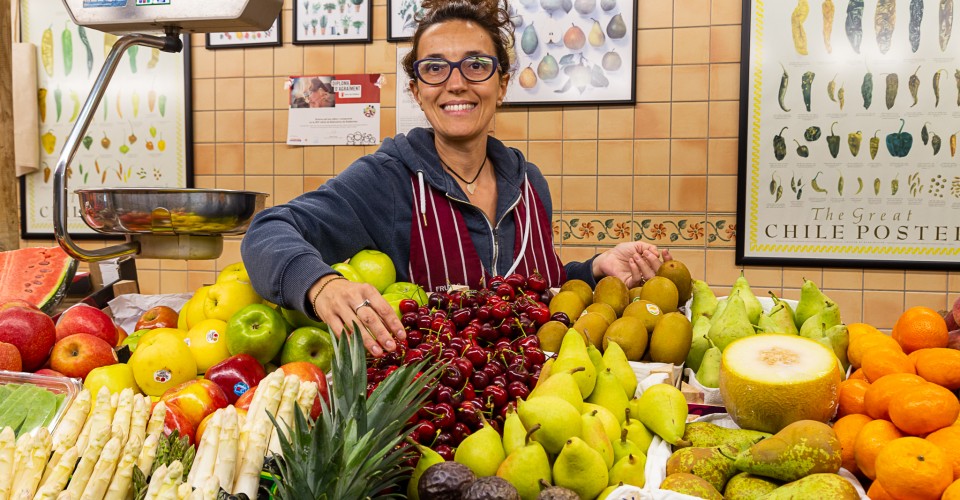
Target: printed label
(87, 4)
(162, 376)
(240, 388)
(213, 336)
(653, 309)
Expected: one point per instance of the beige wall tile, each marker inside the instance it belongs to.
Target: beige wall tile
(933, 300)
(844, 279)
(388, 123)
(688, 156)
(348, 58)
(288, 60)
(614, 193)
(258, 126)
(580, 123)
(691, 45)
(229, 94)
(579, 158)
(202, 64)
(289, 160)
(653, 83)
(725, 81)
(520, 146)
(379, 21)
(850, 302)
(230, 182)
(793, 276)
(722, 193)
(648, 193)
(229, 63)
(258, 61)
(576, 254)
(654, 47)
(726, 11)
(691, 13)
(511, 124)
(258, 159)
(204, 126)
(316, 160)
(875, 279)
(725, 44)
(229, 159)
(281, 95)
(207, 182)
(615, 123)
(546, 124)
(689, 119)
(547, 155)
(953, 282)
(927, 281)
(763, 279)
(691, 82)
(287, 189)
(694, 259)
(615, 157)
(381, 57)
(149, 281)
(724, 118)
(579, 192)
(204, 158)
(229, 126)
(280, 120)
(688, 193)
(722, 156)
(258, 93)
(343, 156)
(204, 94)
(318, 59)
(556, 193)
(652, 121)
(721, 269)
(651, 157)
(311, 182)
(654, 14)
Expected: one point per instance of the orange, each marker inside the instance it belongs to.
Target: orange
(912, 468)
(847, 429)
(856, 350)
(851, 397)
(871, 438)
(857, 375)
(923, 409)
(881, 361)
(877, 398)
(857, 330)
(939, 365)
(952, 492)
(920, 327)
(876, 492)
(948, 439)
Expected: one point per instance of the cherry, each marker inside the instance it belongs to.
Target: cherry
(480, 379)
(458, 344)
(537, 282)
(516, 280)
(444, 439)
(561, 317)
(495, 395)
(517, 390)
(484, 313)
(469, 332)
(409, 319)
(488, 333)
(505, 291)
(444, 451)
(476, 355)
(533, 358)
(460, 431)
(461, 317)
(452, 376)
(469, 413)
(527, 342)
(425, 323)
(539, 314)
(518, 373)
(468, 392)
(425, 432)
(408, 306)
(464, 365)
(414, 337)
(447, 394)
(444, 416)
(413, 356)
(502, 310)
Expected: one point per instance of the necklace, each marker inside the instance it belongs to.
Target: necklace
(471, 187)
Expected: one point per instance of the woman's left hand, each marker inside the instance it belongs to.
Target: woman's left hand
(633, 262)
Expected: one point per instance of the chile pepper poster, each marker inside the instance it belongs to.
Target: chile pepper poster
(139, 135)
(849, 118)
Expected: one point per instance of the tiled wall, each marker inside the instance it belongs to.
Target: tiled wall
(663, 170)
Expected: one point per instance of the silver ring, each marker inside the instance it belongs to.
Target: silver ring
(365, 303)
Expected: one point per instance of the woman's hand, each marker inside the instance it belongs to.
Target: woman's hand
(341, 303)
(633, 262)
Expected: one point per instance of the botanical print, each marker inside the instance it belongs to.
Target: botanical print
(318, 21)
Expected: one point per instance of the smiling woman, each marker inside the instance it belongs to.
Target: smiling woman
(449, 204)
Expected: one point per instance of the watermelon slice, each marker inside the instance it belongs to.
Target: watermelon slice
(39, 275)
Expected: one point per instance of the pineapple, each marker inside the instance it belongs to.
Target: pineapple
(355, 448)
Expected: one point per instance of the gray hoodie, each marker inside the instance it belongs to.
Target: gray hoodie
(289, 247)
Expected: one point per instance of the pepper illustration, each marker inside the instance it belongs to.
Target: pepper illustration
(816, 187)
(802, 150)
(75, 99)
(956, 74)
(876, 186)
(161, 144)
(779, 145)
(162, 104)
(935, 142)
(894, 186)
(46, 50)
(132, 138)
(936, 87)
(119, 109)
(108, 40)
(900, 142)
(124, 149)
(58, 101)
(66, 49)
(885, 19)
(132, 52)
(151, 99)
(784, 82)
(154, 58)
(833, 142)
(828, 12)
(48, 141)
(946, 23)
(916, 16)
(82, 32)
(841, 96)
(806, 85)
(853, 140)
(812, 133)
(831, 88)
(859, 185)
(953, 144)
(840, 186)
(779, 193)
(46, 172)
(797, 19)
(42, 103)
(925, 134)
(893, 84)
(854, 24)
(866, 89)
(874, 146)
(153, 131)
(87, 142)
(136, 104)
(914, 86)
(105, 142)
(773, 183)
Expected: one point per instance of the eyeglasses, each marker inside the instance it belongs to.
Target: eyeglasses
(436, 70)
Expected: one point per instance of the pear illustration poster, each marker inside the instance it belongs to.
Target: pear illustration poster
(139, 135)
(850, 115)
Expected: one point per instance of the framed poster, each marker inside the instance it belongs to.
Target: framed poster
(272, 37)
(330, 110)
(849, 114)
(409, 114)
(402, 18)
(140, 135)
(581, 52)
(332, 21)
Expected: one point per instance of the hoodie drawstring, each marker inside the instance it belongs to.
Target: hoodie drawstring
(423, 197)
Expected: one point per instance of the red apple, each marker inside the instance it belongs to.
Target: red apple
(82, 318)
(309, 372)
(243, 402)
(121, 334)
(48, 372)
(157, 317)
(195, 399)
(5, 303)
(236, 375)
(175, 420)
(76, 355)
(30, 331)
(10, 358)
(953, 316)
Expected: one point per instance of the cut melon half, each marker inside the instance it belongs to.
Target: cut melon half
(769, 381)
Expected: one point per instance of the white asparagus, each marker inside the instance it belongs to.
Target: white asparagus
(248, 474)
(8, 447)
(307, 396)
(26, 484)
(210, 489)
(54, 460)
(153, 487)
(270, 384)
(170, 481)
(138, 421)
(148, 453)
(155, 425)
(60, 471)
(103, 470)
(205, 459)
(98, 418)
(284, 416)
(124, 413)
(66, 495)
(20, 454)
(226, 462)
(120, 485)
(87, 462)
(67, 431)
(184, 491)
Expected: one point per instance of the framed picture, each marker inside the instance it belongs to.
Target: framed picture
(402, 19)
(581, 52)
(848, 133)
(140, 135)
(332, 21)
(272, 37)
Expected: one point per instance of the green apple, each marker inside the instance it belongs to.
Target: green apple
(234, 272)
(257, 330)
(375, 267)
(309, 344)
(225, 299)
(133, 339)
(409, 291)
(298, 319)
(394, 300)
(347, 271)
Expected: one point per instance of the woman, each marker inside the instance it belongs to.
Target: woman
(449, 205)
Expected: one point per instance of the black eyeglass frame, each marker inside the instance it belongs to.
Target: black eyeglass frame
(455, 66)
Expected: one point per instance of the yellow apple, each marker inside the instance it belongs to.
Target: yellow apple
(225, 299)
(114, 377)
(194, 312)
(207, 343)
(234, 272)
(162, 360)
(347, 271)
(182, 317)
(374, 267)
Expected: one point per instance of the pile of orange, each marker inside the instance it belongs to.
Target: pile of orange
(898, 413)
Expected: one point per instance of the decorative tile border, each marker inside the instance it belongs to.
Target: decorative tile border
(677, 229)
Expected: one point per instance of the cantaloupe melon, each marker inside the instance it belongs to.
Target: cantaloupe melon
(769, 381)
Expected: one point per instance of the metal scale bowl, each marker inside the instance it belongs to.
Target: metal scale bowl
(157, 223)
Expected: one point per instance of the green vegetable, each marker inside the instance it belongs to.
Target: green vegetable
(779, 193)
(840, 186)
(162, 104)
(874, 146)
(812, 133)
(876, 186)
(914, 86)
(87, 141)
(66, 49)
(58, 101)
(124, 149)
(956, 74)
(900, 142)
(936, 86)
(854, 24)
(893, 84)
(935, 142)
(784, 82)
(773, 183)
(132, 52)
(859, 185)
(816, 187)
(853, 140)
(866, 90)
(806, 85)
(894, 186)
(924, 134)
(86, 45)
(780, 145)
(802, 151)
(833, 142)
(841, 96)
(831, 88)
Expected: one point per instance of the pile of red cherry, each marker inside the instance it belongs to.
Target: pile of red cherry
(487, 340)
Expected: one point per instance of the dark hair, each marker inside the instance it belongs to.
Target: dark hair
(491, 15)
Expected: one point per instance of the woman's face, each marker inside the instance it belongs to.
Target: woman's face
(458, 109)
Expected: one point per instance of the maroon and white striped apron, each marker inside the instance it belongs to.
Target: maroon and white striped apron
(442, 253)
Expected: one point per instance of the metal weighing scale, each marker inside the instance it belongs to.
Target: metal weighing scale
(157, 223)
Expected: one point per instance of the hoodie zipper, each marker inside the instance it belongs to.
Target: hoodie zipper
(494, 230)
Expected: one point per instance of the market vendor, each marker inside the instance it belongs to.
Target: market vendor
(449, 204)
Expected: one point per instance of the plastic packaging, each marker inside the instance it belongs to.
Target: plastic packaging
(64, 390)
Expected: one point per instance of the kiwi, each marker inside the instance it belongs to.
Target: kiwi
(551, 334)
(604, 309)
(593, 325)
(670, 342)
(662, 292)
(568, 302)
(647, 311)
(630, 334)
(677, 272)
(635, 293)
(581, 288)
(612, 291)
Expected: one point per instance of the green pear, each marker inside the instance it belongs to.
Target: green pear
(608, 491)
(428, 457)
(562, 385)
(481, 451)
(812, 300)
(730, 325)
(629, 470)
(750, 302)
(715, 463)
(663, 409)
(623, 447)
(580, 468)
(608, 393)
(746, 486)
(596, 36)
(689, 484)
(616, 360)
(802, 448)
(529, 40)
(839, 340)
(820, 485)
(596, 357)
(637, 433)
(610, 423)
(779, 319)
(526, 466)
(707, 434)
(545, 371)
(596, 436)
(514, 434)
(817, 325)
(704, 301)
(721, 305)
(573, 353)
(709, 373)
(558, 419)
(699, 344)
